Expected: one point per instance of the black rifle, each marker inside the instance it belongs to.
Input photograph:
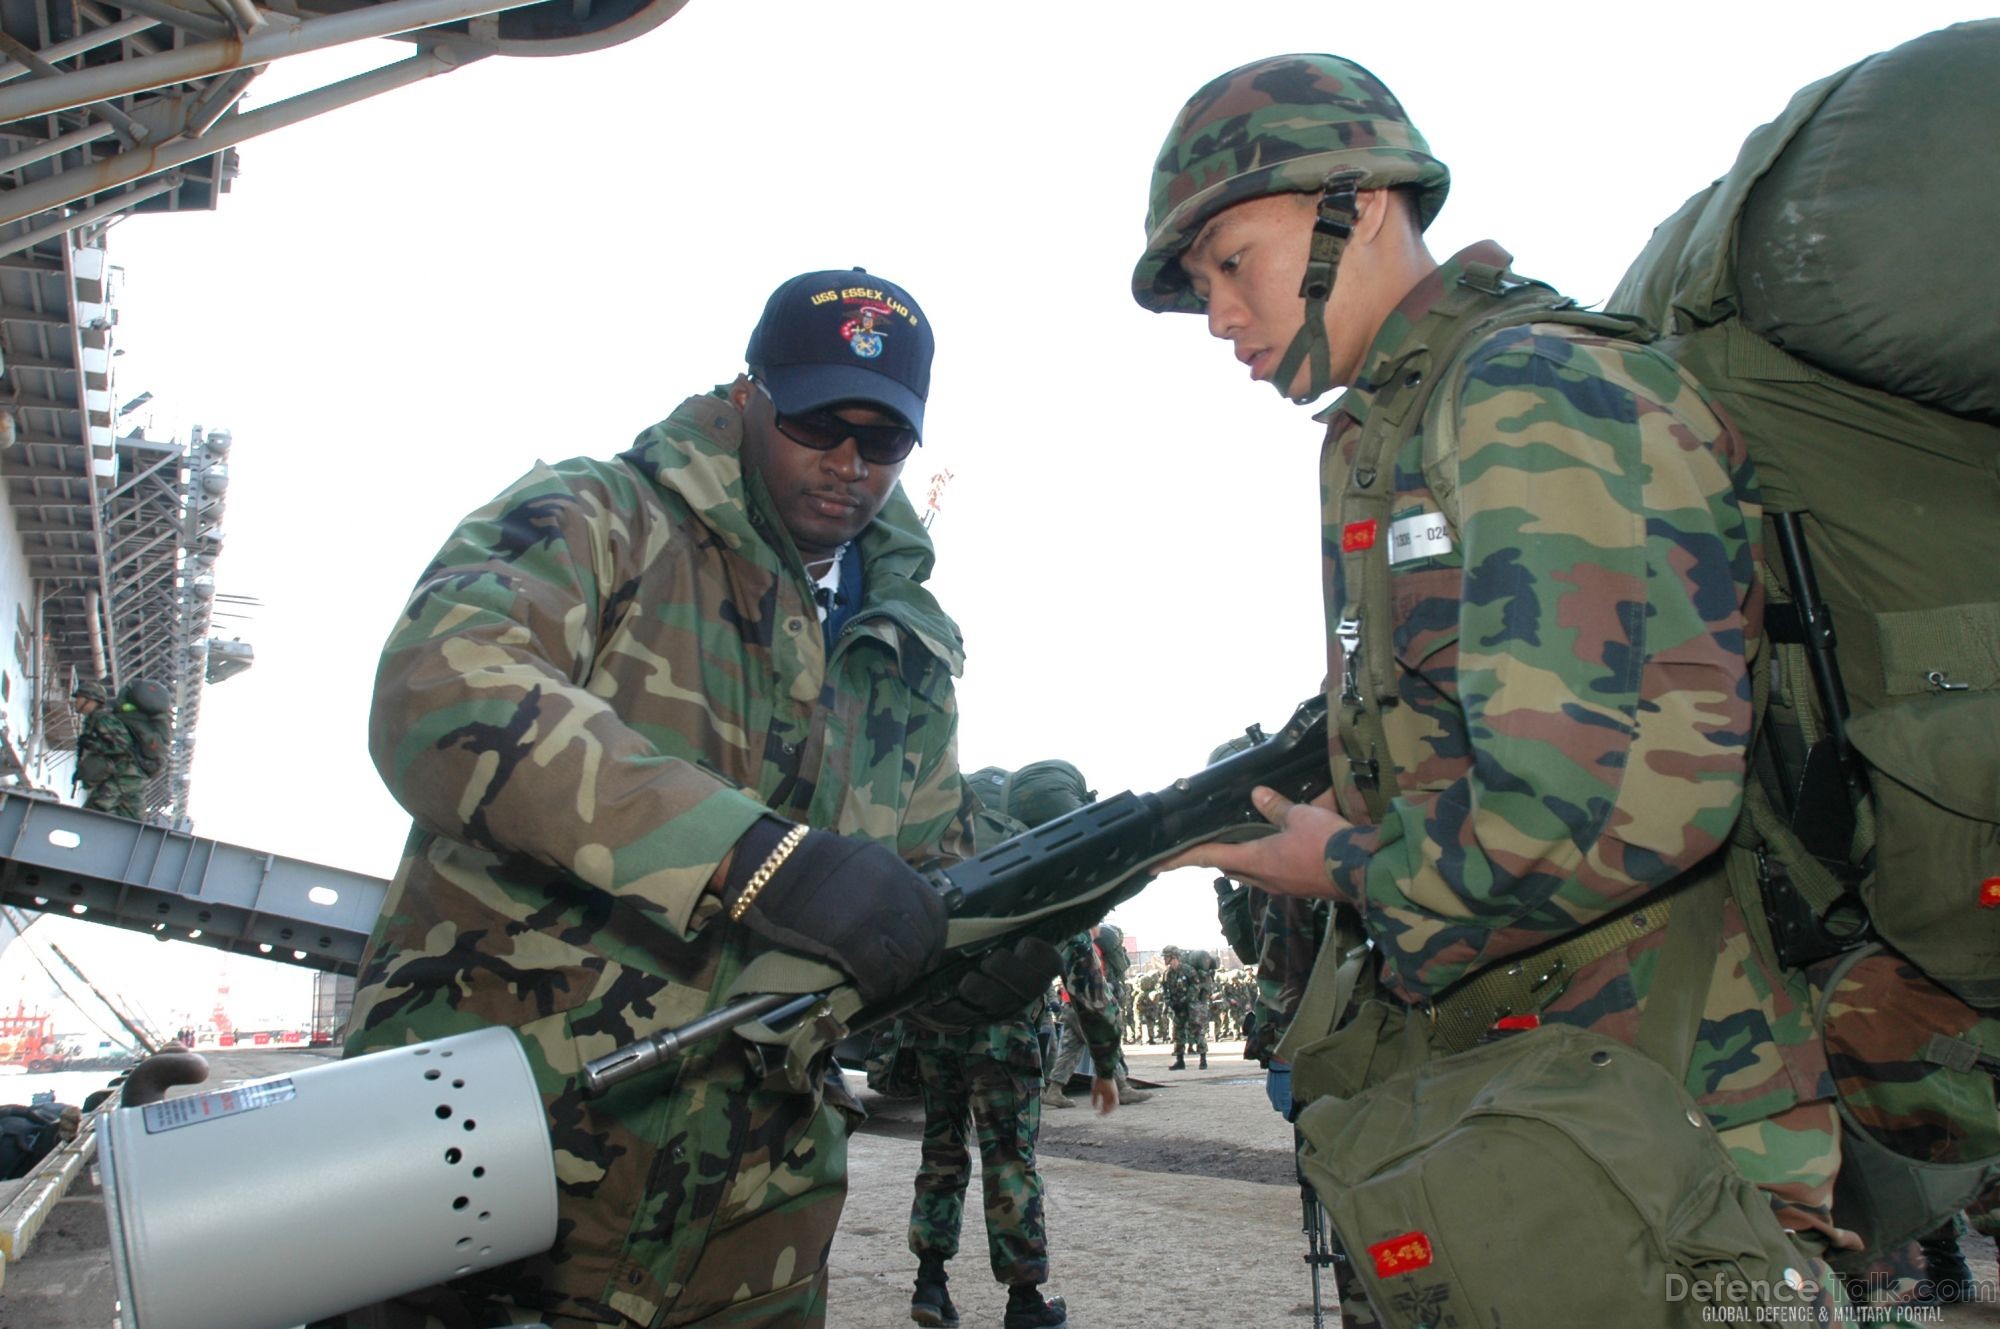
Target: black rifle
(1058, 879)
(1826, 787)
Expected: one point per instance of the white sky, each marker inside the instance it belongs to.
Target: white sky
(405, 303)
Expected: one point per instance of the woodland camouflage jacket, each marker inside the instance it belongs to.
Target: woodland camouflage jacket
(608, 673)
(1573, 699)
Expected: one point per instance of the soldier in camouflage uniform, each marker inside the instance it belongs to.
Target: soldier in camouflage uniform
(989, 1077)
(655, 717)
(1185, 993)
(1566, 708)
(108, 754)
(1151, 1007)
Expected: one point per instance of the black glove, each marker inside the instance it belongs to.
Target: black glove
(849, 901)
(1007, 980)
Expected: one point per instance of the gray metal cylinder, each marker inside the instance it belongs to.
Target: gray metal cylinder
(281, 1201)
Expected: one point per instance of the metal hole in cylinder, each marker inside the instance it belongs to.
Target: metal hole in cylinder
(433, 1073)
(463, 1270)
(461, 1202)
(458, 1084)
(479, 1172)
(470, 1123)
(463, 1242)
(486, 1215)
(452, 1155)
(444, 1111)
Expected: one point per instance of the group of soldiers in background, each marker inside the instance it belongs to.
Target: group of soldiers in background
(1228, 996)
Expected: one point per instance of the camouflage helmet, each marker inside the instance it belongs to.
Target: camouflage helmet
(1109, 936)
(1170, 952)
(89, 689)
(1285, 124)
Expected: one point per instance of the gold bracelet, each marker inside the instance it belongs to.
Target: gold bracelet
(762, 876)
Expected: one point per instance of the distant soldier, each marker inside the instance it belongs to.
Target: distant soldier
(1090, 1012)
(1152, 1006)
(989, 1079)
(1186, 991)
(121, 747)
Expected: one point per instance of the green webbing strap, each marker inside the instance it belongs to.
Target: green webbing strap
(1760, 827)
(1337, 970)
(1523, 984)
(1366, 504)
(792, 1054)
(1960, 1054)
(1671, 1017)
(1333, 223)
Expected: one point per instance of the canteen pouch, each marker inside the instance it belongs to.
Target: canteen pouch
(1549, 1166)
(1934, 774)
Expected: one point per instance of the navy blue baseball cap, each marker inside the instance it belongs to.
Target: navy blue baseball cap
(843, 336)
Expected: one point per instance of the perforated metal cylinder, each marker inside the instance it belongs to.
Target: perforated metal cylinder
(281, 1201)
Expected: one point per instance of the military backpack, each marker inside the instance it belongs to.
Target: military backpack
(1818, 292)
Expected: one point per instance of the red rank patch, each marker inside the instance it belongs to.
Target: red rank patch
(1357, 535)
(1518, 1022)
(1989, 893)
(1401, 1255)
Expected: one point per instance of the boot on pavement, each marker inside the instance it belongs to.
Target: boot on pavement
(1204, 1061)
(930, 1304)
(1130, 1093)
(1053, 1096)
(1027, 1310)
(1180, 1064)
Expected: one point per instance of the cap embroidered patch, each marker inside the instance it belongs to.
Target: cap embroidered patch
(1401, 1255)
(1989, 893)
(864, 332)
(1357, 535)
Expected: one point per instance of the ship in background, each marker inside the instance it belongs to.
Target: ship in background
(109, 110)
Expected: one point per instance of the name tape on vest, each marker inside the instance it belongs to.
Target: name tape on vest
(1419, 535)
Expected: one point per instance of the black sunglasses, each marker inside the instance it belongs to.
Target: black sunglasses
(823, 431)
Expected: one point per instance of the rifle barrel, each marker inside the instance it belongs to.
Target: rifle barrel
(614, 1068)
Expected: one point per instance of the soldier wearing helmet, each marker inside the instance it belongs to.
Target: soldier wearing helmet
(1541, 601)
(117, 752)
(987, 1082)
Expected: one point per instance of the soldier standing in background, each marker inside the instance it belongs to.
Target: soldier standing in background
(1089, 1016)
(1151, 1006)
(989, 1078)
(1184, 990)
(596, 856)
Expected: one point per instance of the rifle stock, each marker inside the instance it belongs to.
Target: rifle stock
(1057, 879)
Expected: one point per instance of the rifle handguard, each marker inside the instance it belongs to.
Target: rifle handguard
(1061, 877)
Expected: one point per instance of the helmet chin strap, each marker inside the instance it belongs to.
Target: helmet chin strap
(1333, 223)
